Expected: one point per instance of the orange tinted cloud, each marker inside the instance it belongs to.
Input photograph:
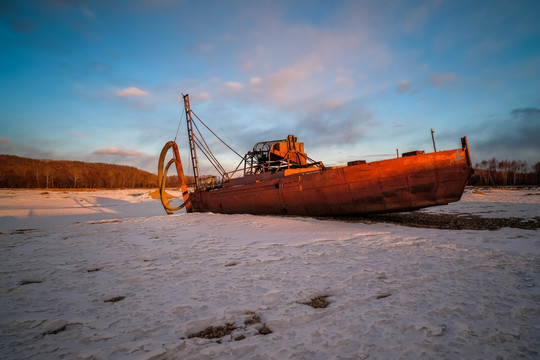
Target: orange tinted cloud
(131, 91)
(232, 85)
(117, 151)
(441, 79)
(403, 86)
(201, 97)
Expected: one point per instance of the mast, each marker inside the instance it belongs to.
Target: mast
(192, 145)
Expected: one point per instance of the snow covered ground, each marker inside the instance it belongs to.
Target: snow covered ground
(107, 275)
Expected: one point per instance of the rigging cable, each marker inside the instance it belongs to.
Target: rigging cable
(203, 146)
(223, 142)
(178, 128)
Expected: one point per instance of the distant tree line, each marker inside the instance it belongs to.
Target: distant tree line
(505, 173)
(174, 182)
(19, 172)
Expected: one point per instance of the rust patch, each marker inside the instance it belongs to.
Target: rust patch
(424, 188)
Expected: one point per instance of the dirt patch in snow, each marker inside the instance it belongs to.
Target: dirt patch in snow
(318, 302)
(55, 331)
(447, 221)
(115, 299)
(220, 331)
(214, 332)
(253, 319)
(28, 282)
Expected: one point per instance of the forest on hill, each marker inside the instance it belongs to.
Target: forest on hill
(19, 172)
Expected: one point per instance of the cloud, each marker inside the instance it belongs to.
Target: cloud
(228, 37)
(24, 26)
(232, 85)
(303, 97)
(441, 79)
(417, 18)
(117, 151)
(285, 87)
(403, 86)
(87, 13)
(344, 81)
(203, 47)
(512, 137)
(528, 114)
(301, 76)
(279, 43)
(201, 97)
(79, 134)
(98, 66)
(335, 122)
(287, 84)
(131, 91)
(22, 149)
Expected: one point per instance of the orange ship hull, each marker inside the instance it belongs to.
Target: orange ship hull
(280, 179)
(400, 184)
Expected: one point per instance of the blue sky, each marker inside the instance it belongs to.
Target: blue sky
(101, 81)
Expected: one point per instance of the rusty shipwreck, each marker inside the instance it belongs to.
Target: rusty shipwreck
(278, 178)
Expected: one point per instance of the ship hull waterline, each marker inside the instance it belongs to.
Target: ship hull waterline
(401, 184)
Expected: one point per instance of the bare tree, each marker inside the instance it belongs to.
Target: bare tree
(536, 170)
(48, 173)
(38, 174)
(75, 174)
(503, 167)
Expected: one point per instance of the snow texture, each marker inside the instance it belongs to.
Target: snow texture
(107, 275)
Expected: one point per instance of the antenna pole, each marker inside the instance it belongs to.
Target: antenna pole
(192, 146)
(433, 139)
